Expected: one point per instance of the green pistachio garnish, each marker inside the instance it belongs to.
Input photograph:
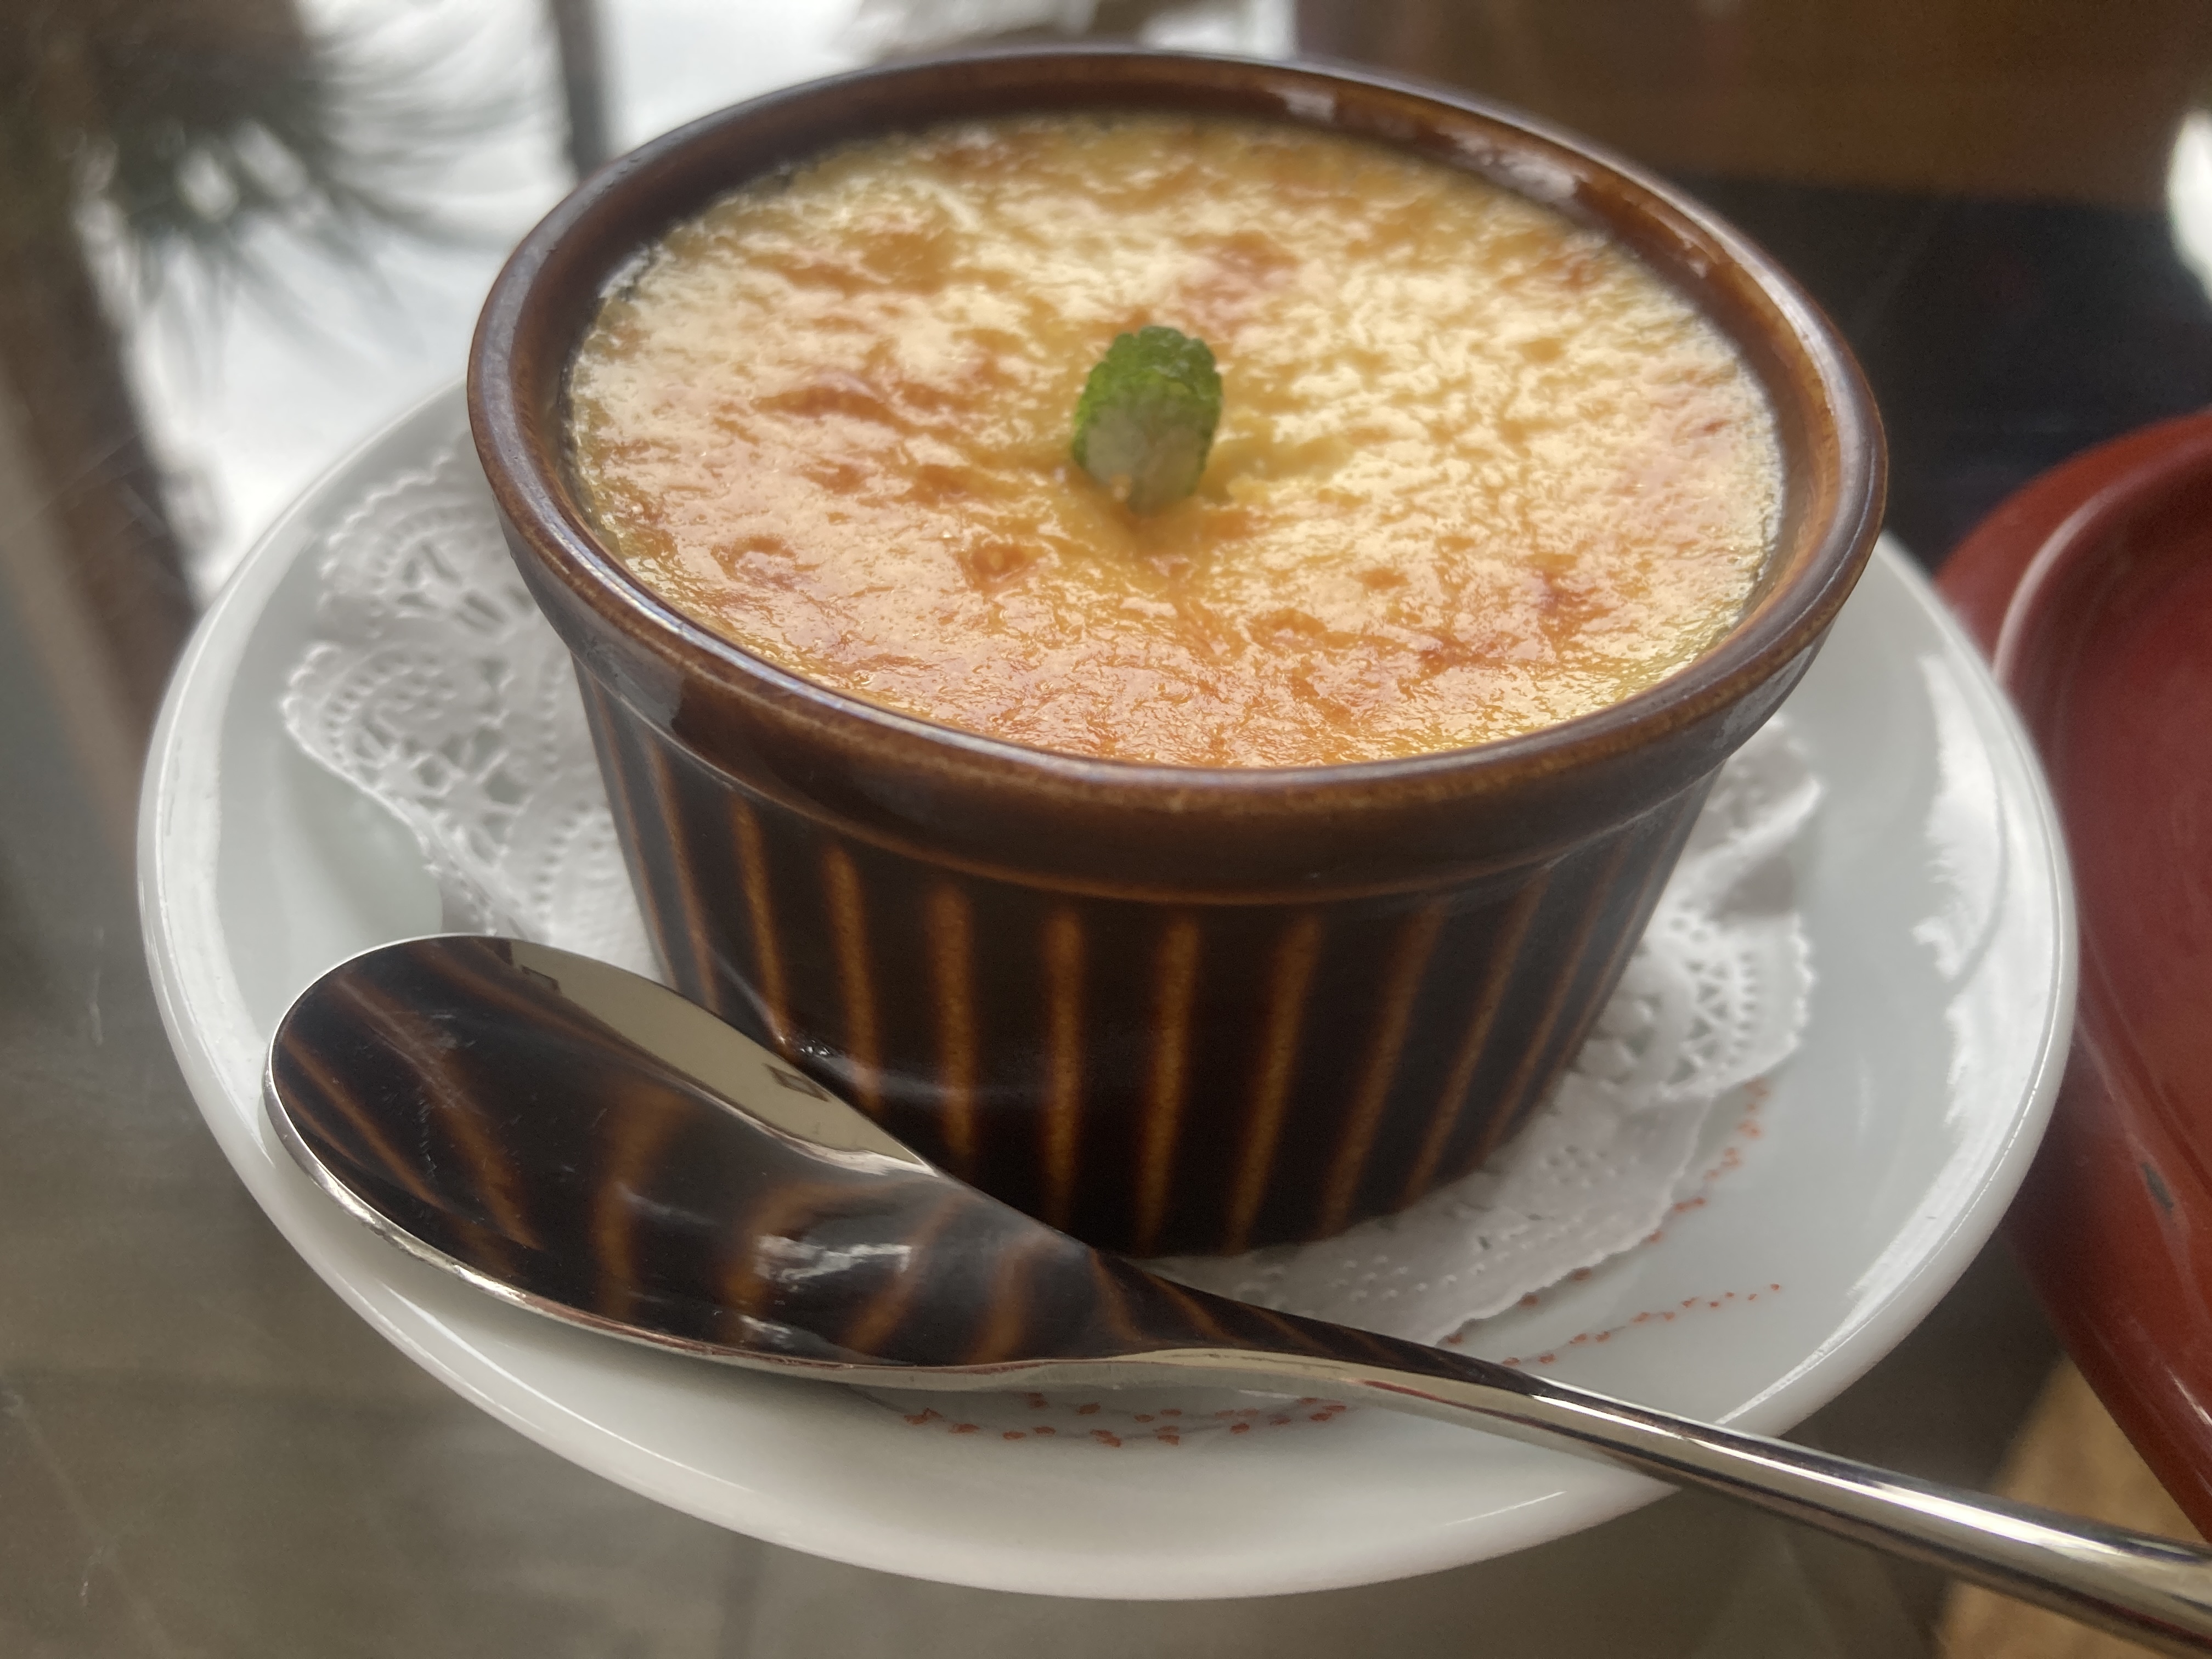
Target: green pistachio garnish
(1145, 419)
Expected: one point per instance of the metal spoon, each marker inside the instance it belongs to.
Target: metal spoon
(580, 1141)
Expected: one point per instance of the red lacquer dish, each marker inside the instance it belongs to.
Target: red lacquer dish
(2092, 589)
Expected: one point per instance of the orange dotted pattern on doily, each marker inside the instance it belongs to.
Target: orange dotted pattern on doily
(1756, 1094)
(1168, 1425)
(1651, 1316)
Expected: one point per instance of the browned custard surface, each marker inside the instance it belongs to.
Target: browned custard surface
(1478, 470)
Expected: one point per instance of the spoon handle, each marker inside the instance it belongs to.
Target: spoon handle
(2155, 1591)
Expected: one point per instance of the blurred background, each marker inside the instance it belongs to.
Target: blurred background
(239, 236)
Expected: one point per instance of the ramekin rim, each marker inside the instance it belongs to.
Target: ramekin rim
(1771, 634)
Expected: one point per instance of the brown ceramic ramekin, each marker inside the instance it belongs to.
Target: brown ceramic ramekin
(1166, 1008)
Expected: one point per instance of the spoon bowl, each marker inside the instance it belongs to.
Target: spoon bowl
(581, 1142)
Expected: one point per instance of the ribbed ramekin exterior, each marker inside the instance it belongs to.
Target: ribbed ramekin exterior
(1170, 1009)
(1154, 1076)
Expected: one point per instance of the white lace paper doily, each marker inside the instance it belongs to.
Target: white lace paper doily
(432, 683)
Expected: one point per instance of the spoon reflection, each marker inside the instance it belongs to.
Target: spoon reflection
(581, 1142)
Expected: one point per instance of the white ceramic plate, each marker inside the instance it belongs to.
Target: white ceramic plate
(1936, 898)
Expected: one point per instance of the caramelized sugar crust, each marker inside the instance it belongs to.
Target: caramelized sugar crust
(1478, 470)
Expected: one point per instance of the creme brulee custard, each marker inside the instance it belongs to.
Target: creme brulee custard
(1478, 470)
